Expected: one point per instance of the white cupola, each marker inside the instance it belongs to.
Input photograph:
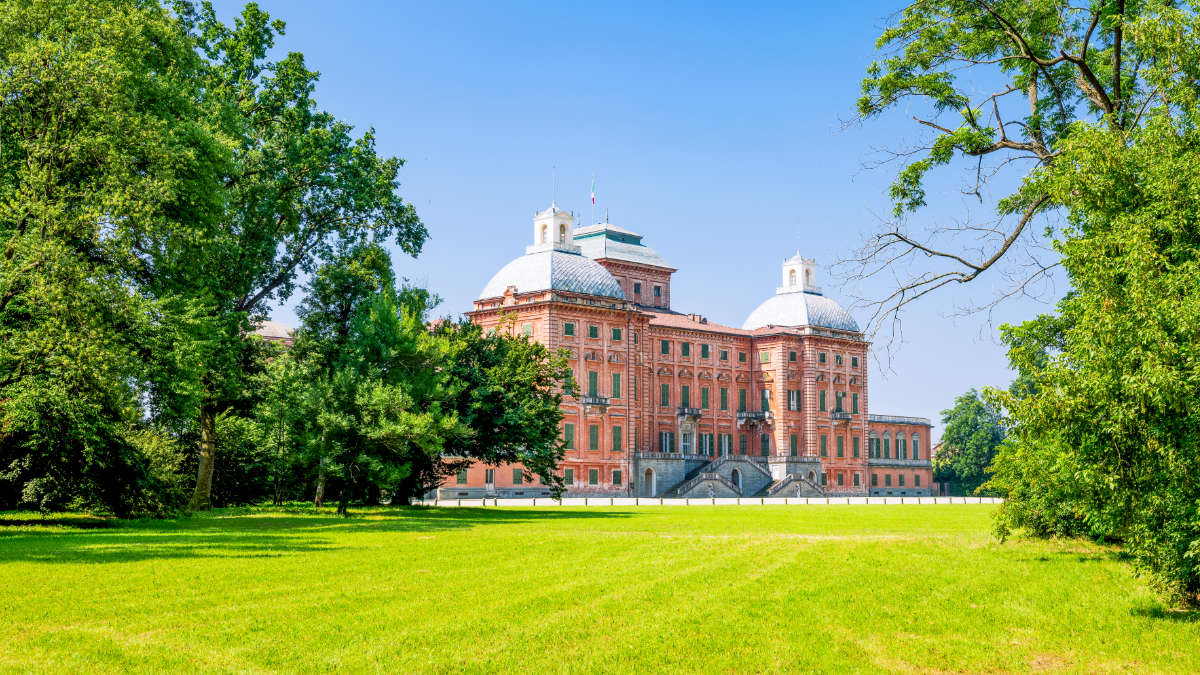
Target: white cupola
(799, 275)
(553, 229)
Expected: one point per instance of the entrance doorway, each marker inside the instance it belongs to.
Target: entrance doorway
(737, 479)
(648, 483)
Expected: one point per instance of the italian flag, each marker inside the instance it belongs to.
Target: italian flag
(593, 192)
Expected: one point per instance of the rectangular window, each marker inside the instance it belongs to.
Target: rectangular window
(685, 396)
(724, 354)
(658, 291)
(527, 329)
(637, 288)
(704, 398)
(916, 453)
(593, 476)
(841, 479)
(568, 328)
(741, 357)
(741, 400)
(887, 480)
(824, 445)
(616, 477)
(517, 477)
(854, 403)
(685, 349)
(766, 400)
(616, 385)
(616, 439)
(765, 445)
(462, 476)
(841, 446)
(593, 383)
(666, 441)
(853, 361)
(704, 351)
(887, 448)
(569, 435)
(664, 398)
(593, 437)
(665, 347)
(901, 448)
(569, 476)
(764, 356)
(837, 400)
(742, 443)
(824, 478)
(821, 400)
(489, 477)
(857, 480)
(724, 398)
(791, 356)
(616, 335)
(793, 445)
(874, 480)
(855, 449)
(901, 479)
(593, 331)
(635, 337)
(837, 359)
(685, 445)
(820, 357)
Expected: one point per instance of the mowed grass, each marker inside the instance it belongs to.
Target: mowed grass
(645, 589)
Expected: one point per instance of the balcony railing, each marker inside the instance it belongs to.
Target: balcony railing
(684, 411)
(595, 400)
(751, 415)
(839, 415)
(898, 419)
(893, 461)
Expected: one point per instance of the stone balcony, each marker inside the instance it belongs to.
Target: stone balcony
(839, 416)
(595, 404)
(688, 413)
(897, 462)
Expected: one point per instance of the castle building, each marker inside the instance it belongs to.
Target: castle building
(673, 405)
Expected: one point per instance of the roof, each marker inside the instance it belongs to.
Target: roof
(554, 269)
(686, 322)
(274, 330)
(801, 308)
(607, 241)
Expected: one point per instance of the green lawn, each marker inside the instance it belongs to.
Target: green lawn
(685, 589)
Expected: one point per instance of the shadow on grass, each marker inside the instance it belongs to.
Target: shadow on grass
(251, 534)
(1168, 614)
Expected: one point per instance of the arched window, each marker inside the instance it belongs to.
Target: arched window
(916, 445)
(543, 234)
(791, 277)
(808, 277)
(562, 233)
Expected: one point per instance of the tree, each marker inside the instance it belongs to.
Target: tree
(510, 396)
(1045, 67)
(972, 433)
(299, 187)
(98, 149)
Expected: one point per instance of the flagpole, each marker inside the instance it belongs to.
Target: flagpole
(593, 222)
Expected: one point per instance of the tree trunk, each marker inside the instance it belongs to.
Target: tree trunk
(202, 495)
(319, 497)
(344, 502)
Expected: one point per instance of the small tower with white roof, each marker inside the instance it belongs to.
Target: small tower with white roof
(553, 229)
(799, 275)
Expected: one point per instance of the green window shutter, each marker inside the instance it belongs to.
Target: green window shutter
(854, 403)
(616, 439)
(665, 395)
(857, 480)
(856, 447)
(724, 398)
(665, 346)
(616, 334)
(593, 383)
(765, 445)
(741, 400)
(793, 445)
(824, 445)
(616, 385)
(791, 356)
(594, 437)
(821, 401)
(887, 480)
(901, 479)
(916, 453)
(742, 444)
(517, 477)
(916, 480)
(766, 400)
(593, 331)
(724, 354)
(704, 397)
(593, 476)
(616, 477)
(672, 436)
(853, 361)
(841, 446)
(569, 477)
(569, 436)
(741, 357)
(704, 351)
(685, 349)
(568, 328)
(462, 476)
(821, 357)
(841, 479)
(685, 396)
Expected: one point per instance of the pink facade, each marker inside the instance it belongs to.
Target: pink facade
(671, 404)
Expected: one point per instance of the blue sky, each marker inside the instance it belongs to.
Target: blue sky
(717, 132)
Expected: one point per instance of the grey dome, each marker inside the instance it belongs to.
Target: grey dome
(800, 309)
(555, 270)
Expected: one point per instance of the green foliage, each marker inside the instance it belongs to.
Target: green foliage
(972, 432)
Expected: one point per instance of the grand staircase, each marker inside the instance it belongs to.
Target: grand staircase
(741, 476)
